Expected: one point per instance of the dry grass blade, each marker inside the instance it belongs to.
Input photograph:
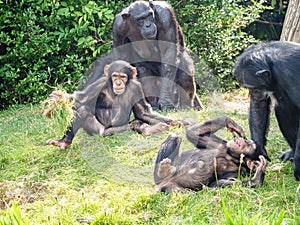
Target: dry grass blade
(59, 108)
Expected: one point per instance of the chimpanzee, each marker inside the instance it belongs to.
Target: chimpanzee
(104, 106)
(148, 35)
(215, 162)
(273, 69)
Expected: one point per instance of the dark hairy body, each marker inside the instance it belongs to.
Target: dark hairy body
(148, 35)
(214, 163)
(104, 106)
(273, 69)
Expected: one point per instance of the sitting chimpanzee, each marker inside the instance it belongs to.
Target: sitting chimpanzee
(215, 162)
(104, 106)
(147, 35)
(273, 69)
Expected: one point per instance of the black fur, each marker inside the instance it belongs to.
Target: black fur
(273, 68)
(137, 31)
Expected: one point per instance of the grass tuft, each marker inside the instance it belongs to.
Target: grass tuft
(59, 109)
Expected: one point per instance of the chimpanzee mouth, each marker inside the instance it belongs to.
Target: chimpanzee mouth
(119, 90)
(150, 35)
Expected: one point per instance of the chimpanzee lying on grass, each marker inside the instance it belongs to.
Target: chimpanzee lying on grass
(215, 162)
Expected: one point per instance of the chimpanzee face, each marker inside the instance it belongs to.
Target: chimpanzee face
(253, 78)
(119, 81)
(141, 16)
(119, 73)
(147, 26)
(242, 146)
(253, 71)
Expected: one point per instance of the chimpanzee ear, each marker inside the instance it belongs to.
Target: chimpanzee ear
(106, 67)
(263, 73)
(125, 16)
(134, 72)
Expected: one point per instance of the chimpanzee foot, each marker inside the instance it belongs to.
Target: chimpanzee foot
(156, 128)
(62, 145)
(287, 156)
(166, 105)
(165, 169)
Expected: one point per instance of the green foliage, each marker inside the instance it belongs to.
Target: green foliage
(238, 218)
(13, 216)
(45, 43)
(214, 31)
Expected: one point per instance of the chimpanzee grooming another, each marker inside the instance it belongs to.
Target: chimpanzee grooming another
(273, 69)
(104, 107)
(215, 162)
(147, 35)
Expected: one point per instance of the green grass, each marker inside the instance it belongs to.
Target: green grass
(108, 180)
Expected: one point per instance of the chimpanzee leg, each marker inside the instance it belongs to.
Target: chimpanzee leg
(169, 149)
(186, 83)
(84, 119)
(113, 130)
(151, 85)
(297, 154)
(202, 135)
(286, 115)
(185, 91)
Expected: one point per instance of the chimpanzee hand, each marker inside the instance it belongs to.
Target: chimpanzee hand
(234, 128)
(60, 95)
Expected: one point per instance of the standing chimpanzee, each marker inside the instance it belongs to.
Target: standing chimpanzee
(104, 107)
(273, 69)
(147, 35)
(215, 162)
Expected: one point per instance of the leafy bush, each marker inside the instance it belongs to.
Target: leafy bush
(214, 31)
(46, 43)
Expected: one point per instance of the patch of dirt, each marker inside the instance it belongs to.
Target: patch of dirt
(20, 192)
(234, 102)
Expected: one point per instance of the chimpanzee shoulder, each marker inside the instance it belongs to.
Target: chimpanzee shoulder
(163, 14)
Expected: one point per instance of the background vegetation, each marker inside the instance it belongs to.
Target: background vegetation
(45, 43)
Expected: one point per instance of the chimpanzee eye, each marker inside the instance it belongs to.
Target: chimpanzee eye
(140, 20)
(151, 16)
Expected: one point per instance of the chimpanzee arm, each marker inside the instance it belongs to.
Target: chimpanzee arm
(259, 119)
(84, 106)
(120, 28)
(202, 135)
(169, 45)
(258, 178)
(88, 96)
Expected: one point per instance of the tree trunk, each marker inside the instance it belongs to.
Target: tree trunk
(291, 26)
